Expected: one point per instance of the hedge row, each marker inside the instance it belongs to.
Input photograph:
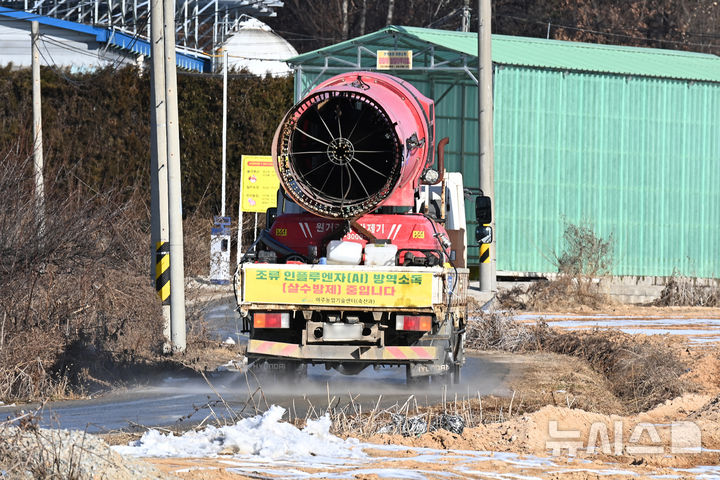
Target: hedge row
(96, 127)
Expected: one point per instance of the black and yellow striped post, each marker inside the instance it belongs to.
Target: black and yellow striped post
(162, 271)
(484, 253)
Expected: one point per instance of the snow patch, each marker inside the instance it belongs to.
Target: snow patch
(265, 436)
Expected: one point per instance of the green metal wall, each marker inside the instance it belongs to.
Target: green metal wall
(635, 157)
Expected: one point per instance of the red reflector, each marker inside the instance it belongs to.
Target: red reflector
(420, 323)
(271, 320)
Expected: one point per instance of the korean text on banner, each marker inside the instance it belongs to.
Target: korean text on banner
(342, 288)
(394, 59)
(259, 183)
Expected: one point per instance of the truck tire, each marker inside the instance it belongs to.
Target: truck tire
(415, 381)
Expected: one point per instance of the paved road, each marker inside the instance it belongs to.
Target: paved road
(166, 400)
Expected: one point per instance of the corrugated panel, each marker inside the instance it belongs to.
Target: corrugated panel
(636, 158)
(539, 52)
(616, 59)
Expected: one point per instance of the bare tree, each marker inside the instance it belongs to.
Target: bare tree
(686, 24)
(345, 24)
(391, 7)
(363, 17)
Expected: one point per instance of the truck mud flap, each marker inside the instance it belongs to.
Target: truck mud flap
(344, 352)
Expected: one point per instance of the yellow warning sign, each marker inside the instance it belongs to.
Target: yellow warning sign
(321, 286)
(394, 59)
(259, 183)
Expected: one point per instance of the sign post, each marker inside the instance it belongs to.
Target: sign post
(258, 189)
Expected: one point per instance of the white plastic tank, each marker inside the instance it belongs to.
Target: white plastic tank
(342, 252)
(380, 254)
(256, 48)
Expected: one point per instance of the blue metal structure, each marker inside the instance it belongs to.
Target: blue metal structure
(198, 62)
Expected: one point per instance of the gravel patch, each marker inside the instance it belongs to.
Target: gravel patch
(29, 453)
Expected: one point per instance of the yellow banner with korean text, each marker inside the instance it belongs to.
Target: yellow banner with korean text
(259, 183)
(338, 287)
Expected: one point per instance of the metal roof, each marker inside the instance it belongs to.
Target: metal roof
(201, 24)
(112, 37)
(549, 54)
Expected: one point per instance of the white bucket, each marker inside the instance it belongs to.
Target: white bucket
(341, 252)
(380, 254)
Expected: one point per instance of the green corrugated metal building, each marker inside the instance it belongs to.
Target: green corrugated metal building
(625, 139)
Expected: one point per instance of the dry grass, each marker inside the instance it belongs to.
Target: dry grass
(409, 418)
(76, 299)
(640, 372)
(196, 248)
(28, 451)
(500, 331)
(564, 292)
(584, 261)
(685, 291)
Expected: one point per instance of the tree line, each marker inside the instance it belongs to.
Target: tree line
(670, 24)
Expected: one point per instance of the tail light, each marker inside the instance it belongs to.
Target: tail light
(271, 320)
(420, 323)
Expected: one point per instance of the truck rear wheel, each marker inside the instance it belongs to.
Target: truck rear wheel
(413, 380)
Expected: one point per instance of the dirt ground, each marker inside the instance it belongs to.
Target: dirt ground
(559, 422)
(518, 448)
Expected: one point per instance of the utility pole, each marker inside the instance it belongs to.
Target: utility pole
(177, 271)
(160, 245)
(224, 132)
(37, 130)
(485, 136)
